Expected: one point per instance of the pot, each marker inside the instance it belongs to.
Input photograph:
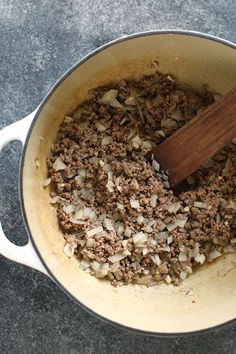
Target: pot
(207, 298)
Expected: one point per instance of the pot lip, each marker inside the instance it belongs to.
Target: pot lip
(23, 210)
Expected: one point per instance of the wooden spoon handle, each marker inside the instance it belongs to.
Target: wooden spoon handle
(183, 152)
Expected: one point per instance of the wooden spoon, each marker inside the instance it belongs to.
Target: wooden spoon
(189, 147)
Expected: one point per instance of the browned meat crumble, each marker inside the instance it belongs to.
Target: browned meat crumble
(116, 210)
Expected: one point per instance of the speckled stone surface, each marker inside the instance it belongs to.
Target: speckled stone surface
(39, 40)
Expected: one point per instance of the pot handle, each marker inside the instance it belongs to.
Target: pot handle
(21, 254)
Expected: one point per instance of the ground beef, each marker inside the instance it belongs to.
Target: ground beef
(117, 213)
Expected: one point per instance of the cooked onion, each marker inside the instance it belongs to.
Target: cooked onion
(174, 207)
(94, 231)
(139, 237)
(155, 165)
(69, 209)
(200, 258)
(89, 213)
(54, 200)
(153, 200)
(130, 101)
(115, 104)
(169, 123)
(213, 254)
(115, 266)
(128, 232)
(168, 279)
(177, 223)
(116, 258)
(46, 182)
(100, 127)
(59, 165)
(163, 235)
(202, 205)
(106, 141)
(68, 119)
(140, 219)
(109, 96)
(69, 249)
(110, 186)
(134, 203)
(84, 264)
(79, 214)
(183, 275)
(228, 249)
(108, 224)
(231, 205)
(156, 259)
(182, 257)
(136, 142)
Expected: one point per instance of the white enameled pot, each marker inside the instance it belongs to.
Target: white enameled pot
(208, 297)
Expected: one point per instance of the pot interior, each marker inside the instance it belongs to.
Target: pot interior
(207, 297)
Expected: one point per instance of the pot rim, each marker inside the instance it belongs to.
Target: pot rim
(23, 211)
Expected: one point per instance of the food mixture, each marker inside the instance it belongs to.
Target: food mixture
(117, 213)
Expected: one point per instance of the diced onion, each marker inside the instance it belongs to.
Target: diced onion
(79, 214)
(54, 200)
(202, 205)
(182, 257)
(231, 205)
(90, 242)
(228, 249)
(156, 259)
(173, 207)
(95, 266)
(146, 145)
(69, 209)
(161, 133)
(168, 279)
(213, 254)
(116, 258)
(100, 127)
(134, 203)
(106, 141)
(94, 231)
(162, 235)
(69, 249)
(59, 165)
(139, 237)
(84, 264)
(115, 104)
(168, 123)
(126, 253)
(130, 101)
(109, 96)
(200, 258)
(128, 232)
(136, 142)
(68, 119)
(153, 200)
(108, 224)
(110, 186)
(177, 223)
(140, 219)
(46, 182)
(89, 213)
(155, 165)
(183, 275)
(115, 266)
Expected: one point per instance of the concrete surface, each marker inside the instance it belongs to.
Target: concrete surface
(39, 40)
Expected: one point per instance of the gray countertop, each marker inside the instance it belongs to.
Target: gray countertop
(39, 40)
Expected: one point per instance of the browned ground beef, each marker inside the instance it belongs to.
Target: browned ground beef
(116, 211)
